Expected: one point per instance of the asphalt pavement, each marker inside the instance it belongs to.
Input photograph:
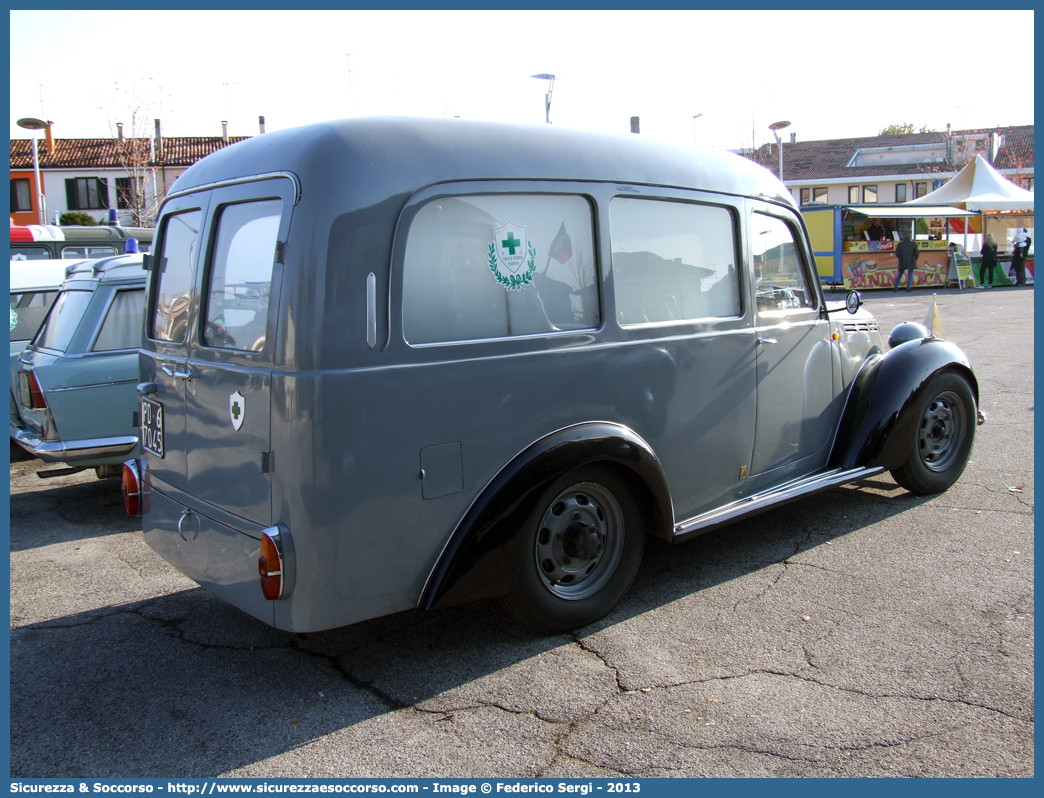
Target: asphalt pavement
(860, 632)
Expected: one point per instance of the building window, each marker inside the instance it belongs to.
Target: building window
(853, 194)
(126, 195)
(87, 193)
(818, 194)
(900, 192)
(1029, 184)
(869, 194)
(920, 189)
(20, 196)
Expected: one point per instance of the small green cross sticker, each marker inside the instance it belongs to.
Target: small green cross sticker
(511, 242)
(237, 409)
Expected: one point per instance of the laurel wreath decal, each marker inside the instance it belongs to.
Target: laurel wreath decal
(513, 282)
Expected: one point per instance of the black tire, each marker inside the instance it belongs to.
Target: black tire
(943, 439)
(581, 549)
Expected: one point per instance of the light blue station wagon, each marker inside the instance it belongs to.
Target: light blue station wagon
(73, 391)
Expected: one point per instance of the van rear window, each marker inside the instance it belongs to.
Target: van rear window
(499, 265)
(174, 276)
(240, 276)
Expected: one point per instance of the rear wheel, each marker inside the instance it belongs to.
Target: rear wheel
(943, 441)
(582, 547)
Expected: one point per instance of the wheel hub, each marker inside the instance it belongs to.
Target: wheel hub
(942, 432)
(582, 541)
(579, 541)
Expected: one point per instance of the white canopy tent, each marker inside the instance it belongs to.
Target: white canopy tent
(979, 187)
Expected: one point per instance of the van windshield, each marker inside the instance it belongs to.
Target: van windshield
(62, 321)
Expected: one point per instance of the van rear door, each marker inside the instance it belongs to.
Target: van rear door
(228, 395)
(163, 358)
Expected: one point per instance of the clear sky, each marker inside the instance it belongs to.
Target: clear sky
(831, 74)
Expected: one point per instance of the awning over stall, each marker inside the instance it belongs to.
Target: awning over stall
(978, 187)
(904, 212)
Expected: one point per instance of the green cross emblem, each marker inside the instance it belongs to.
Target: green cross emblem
(510, 243)
(237, 409)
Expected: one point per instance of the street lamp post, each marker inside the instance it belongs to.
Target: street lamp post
(775, 127)
(547, 97)
(694, 118)
(33, 124)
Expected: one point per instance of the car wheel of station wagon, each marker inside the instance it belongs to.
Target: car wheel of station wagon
(944, 437)
(582, 548)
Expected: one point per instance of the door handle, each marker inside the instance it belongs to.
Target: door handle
(767, 341)
(178, 375)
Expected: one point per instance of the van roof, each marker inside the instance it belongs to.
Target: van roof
(38, 274)
(361, 161)
(78, 234)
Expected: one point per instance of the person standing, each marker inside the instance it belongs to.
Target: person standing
(1018, 255)
(989, 260)
(907, 252)
(875, 232)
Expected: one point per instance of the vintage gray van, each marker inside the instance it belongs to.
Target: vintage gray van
(395, 363)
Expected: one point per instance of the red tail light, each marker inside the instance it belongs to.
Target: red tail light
(36, 394)
(270, 567)
(131, 488)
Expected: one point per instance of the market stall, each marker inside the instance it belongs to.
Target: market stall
(848, 253)
(1004, 208)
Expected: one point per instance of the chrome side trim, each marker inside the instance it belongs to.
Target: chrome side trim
(762, 501)
(71, 451)
(371, 310)
(92, 385)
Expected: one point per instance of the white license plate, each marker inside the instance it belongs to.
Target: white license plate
(152, 427)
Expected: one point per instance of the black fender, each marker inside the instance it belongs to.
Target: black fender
(880, 418)
(482, 556)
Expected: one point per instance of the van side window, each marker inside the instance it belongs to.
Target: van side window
(174, 276)
(88, 252)
(778, 271)
(494, 266)
(240, 277)
(673, 261)
(122, 326)
(30, 253)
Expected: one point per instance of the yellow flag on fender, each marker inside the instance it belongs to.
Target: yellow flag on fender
(933, 321)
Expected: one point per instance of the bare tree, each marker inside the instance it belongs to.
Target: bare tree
(138, 192)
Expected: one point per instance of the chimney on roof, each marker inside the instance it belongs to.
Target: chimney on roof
(119, 130)
(634, 124)
(49, 139)
(224, 132)
(261, 122)
(158, 141)
(793, 138)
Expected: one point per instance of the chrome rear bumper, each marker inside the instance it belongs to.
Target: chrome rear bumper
(73, 451)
